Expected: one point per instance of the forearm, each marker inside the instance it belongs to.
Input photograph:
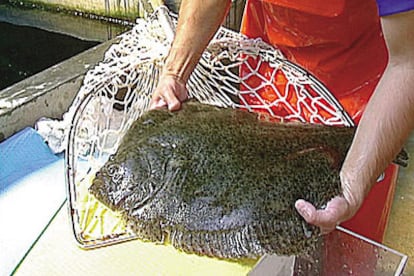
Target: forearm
(198, 21)
(388, 118)
(383, 129)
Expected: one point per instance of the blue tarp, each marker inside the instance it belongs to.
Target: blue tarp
(32, 188)
(22, 154)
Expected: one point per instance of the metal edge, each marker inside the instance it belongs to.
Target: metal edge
(404, 258)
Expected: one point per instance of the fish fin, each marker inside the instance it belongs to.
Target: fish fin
(226, 244)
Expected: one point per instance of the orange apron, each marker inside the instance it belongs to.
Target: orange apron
(341, 43)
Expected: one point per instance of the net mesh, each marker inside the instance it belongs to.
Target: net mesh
(234, 72)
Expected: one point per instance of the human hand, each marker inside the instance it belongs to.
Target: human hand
(337, 210)
(170, 92)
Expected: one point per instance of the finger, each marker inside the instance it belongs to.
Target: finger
(325, 231)
(174, 105)
(313, 216)
(172, 101)
(306, 210)
(157, 102)
(327, 218)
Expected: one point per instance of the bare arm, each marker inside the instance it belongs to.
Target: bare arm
(384, 127)
(389, 116)
(198, 21)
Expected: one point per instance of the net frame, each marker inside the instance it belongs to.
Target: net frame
(118, 90)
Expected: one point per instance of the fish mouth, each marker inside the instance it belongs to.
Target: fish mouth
(97, 189)
(118, 194)
(101, 189)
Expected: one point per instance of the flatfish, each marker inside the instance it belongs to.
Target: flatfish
(219, 182)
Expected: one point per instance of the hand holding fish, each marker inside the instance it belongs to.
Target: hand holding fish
(170, 92)
(336, 211)
(194, 31)
(389, 110)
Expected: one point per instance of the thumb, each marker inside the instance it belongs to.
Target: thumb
(335, 212)
(306, 210)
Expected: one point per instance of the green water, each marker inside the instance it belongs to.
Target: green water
(25, 51)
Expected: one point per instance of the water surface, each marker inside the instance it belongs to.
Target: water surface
(25, 51)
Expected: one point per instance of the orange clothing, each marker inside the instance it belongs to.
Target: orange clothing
(338, 41)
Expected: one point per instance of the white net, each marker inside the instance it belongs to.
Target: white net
(234, 72)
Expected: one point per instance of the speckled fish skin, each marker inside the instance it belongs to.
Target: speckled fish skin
(219, 182)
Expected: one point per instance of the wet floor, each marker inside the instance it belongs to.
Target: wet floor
(400, 231)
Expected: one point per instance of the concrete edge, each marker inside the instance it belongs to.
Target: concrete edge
(48, 93)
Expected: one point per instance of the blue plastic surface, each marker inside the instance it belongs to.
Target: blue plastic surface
(22, 154)
(388, 7)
